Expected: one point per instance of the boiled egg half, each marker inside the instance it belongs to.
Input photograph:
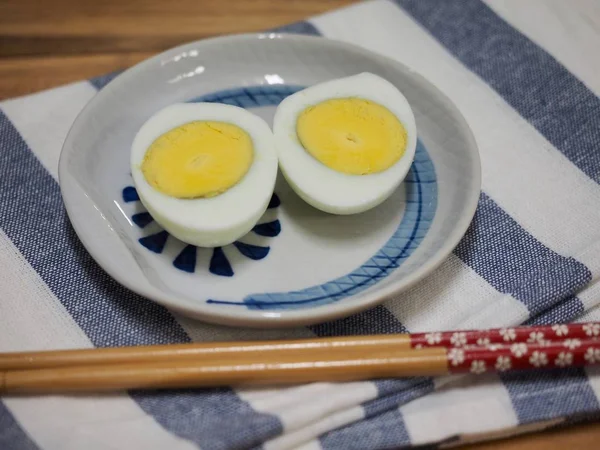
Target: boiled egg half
(345, 145)
(205, 171)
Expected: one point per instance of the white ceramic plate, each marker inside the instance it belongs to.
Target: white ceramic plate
(299, 266)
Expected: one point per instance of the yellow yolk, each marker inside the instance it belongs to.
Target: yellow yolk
(352, 135)
(198, 159)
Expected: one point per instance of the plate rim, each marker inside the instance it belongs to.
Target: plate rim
(278, 318)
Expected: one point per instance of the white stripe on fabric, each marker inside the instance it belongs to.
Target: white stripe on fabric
(313, 445)
(449, 297)
(593, 315)
(565, 199)
(302, 438)
(593, 374)
(39, 322)
(470, 405)
(501, 312)
(570, 34)
(44, 119)
(590, 297)
(303, 405)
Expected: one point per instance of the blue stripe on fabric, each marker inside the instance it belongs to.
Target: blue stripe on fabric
(550, 394)
(382, 417)
(543, 92)
(302, 27)
(108, 313)
(102, 80)
(565, 311)
(12, 436)
(386, 431)
(515, 263)
(396, 392)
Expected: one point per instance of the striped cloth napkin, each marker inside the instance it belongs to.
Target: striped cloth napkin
(525, 76)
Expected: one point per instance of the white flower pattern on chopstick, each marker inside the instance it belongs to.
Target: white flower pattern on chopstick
(483, 341)
(564, 359)
(456, 356)
(433, 338)
(508, 334)
(560, 330)
(458, 339)
(503, 363)
(538, 359)
(478, 367)
(519, 349)
(592, 355)
(572, 344)
(536, 337)
(591, 329)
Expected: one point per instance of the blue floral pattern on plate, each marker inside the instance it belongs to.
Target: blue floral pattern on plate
(186, 259)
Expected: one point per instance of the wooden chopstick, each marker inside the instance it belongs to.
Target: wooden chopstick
(206, 352)
(293, 368)
(284, 362)
(262, 370)
(201, 352)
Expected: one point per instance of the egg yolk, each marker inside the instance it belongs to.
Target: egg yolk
(198, 159)
(352, 135)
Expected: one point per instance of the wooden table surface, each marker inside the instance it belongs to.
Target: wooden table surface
(46, 43)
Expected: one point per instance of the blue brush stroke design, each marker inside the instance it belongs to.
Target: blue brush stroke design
(274, 202)
(155, 242)
(251, 96)
(186, 260)
(130, 194)
(142, 219)
(269, 229)
(219, 264)
(254, 252)
(421, 203)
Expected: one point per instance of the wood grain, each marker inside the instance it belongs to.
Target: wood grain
(208, 352)
(46, 43)
(235, 369)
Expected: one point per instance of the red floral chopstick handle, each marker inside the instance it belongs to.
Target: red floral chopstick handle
(527, 335)
(572, 352)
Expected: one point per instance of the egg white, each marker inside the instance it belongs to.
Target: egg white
(325, 188)
(219, 220)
